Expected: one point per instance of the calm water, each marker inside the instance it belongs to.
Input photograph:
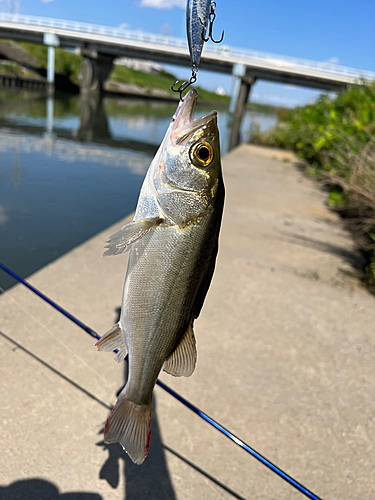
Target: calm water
(69, 169)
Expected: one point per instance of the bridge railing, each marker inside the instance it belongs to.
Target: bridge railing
(231, 54)
(80, 27)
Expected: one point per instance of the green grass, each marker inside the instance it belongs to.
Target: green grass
(66, 63)
(13, 68)
(10, 67)
(132, 76)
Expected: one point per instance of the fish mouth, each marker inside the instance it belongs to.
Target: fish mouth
(184, 124)
(185, 110)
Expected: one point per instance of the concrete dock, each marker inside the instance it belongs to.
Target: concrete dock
(286, 361)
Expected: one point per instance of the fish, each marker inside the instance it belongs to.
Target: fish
(197, 17)
(173, 243)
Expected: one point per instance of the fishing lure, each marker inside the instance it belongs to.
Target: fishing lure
(200, 15)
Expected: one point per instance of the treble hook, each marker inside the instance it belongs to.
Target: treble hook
(185, 85)
(210, 28)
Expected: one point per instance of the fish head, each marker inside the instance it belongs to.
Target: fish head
(188, 174)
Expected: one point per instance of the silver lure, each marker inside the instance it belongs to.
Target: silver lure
(197, 17)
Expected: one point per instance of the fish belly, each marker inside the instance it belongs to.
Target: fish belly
(165, 270)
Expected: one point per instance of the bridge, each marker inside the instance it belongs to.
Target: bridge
(100, 45)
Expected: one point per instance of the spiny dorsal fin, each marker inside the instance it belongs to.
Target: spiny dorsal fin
(112, 340)
(121, 240)
(181, 363)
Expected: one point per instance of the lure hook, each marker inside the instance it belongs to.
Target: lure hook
(210, 28)
(185, 85)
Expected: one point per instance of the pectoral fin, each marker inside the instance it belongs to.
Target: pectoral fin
(120, 241)
(181, 363)
(113, 340)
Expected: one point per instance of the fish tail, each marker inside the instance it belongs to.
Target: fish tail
(130, 425)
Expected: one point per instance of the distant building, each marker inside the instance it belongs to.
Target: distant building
(220, 91)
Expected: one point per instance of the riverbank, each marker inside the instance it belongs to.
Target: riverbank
(31, 59)
(335, 138)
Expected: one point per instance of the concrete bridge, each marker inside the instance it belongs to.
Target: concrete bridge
(100, 45)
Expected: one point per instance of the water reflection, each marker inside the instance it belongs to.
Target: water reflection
(93, 120)
(50, 108)
(69, 167)
(115, 122)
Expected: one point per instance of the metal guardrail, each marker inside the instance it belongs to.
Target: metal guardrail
(231, 54)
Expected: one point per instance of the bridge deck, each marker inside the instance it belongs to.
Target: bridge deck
(120, 42)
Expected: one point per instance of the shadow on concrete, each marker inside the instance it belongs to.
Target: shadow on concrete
(354, 258)
(54, 370)
(40, 489)
(204, 473)
(150, 480)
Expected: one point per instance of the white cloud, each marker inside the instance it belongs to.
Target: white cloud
(333, 60)
(122, 26)
(47, 1)
(163, 4)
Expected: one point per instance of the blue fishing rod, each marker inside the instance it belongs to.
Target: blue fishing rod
(274, 468)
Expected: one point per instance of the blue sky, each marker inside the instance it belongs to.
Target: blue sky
(342, 31)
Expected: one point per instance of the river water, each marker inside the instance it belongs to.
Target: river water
(70, 168)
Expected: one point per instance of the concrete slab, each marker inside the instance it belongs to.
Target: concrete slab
(285, 360)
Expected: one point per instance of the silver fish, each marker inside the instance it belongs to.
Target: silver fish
(173, 243)
(197, 17)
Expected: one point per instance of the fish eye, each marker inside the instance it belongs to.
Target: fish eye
(202, 154)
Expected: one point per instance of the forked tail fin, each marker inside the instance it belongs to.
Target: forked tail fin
(130, 425)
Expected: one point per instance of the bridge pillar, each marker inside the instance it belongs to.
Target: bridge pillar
(51, 41)
(241, 90)
(96, 68)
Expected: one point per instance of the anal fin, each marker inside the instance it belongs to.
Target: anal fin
(181, 363)
(121, 240)
(112, 340)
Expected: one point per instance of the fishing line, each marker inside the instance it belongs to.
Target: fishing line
(53, 335)
(50, 302)
(177, 396)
